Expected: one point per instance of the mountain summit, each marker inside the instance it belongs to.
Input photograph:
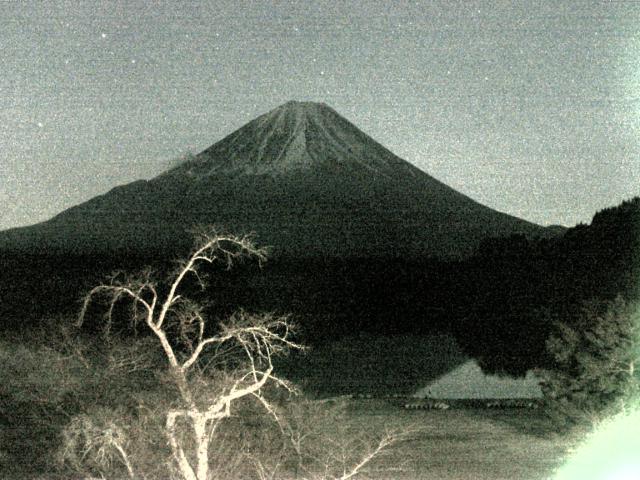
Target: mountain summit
(305, 179)
(298, 136)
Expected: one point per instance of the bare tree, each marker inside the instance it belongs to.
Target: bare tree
(180, 326)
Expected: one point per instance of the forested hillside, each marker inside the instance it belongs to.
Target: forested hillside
(500, 303)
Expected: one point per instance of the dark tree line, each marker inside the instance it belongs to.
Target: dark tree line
(501, 303)
(518, 289)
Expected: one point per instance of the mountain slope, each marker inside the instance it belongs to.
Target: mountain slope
(306, 180)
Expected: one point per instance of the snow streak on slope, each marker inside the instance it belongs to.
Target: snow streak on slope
(297, 136)
(304, 178)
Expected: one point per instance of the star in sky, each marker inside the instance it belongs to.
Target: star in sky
(528, 107)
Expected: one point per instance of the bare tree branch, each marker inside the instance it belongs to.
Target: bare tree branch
(258, 336)
(180, 326)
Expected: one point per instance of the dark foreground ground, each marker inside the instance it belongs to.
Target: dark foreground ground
(455, 444)
(465, 443)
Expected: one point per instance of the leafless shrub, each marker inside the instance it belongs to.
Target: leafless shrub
(321, 444)
(95, 442)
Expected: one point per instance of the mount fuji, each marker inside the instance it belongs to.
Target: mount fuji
(306, 180)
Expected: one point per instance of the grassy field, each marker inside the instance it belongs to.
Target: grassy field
(464, 444)
(40, 387)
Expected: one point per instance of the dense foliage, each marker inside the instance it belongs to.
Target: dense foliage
(595, 357)
(517, 289)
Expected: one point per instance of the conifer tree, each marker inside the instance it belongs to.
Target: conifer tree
(594, 363)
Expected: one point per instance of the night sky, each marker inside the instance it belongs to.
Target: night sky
(530, 107)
